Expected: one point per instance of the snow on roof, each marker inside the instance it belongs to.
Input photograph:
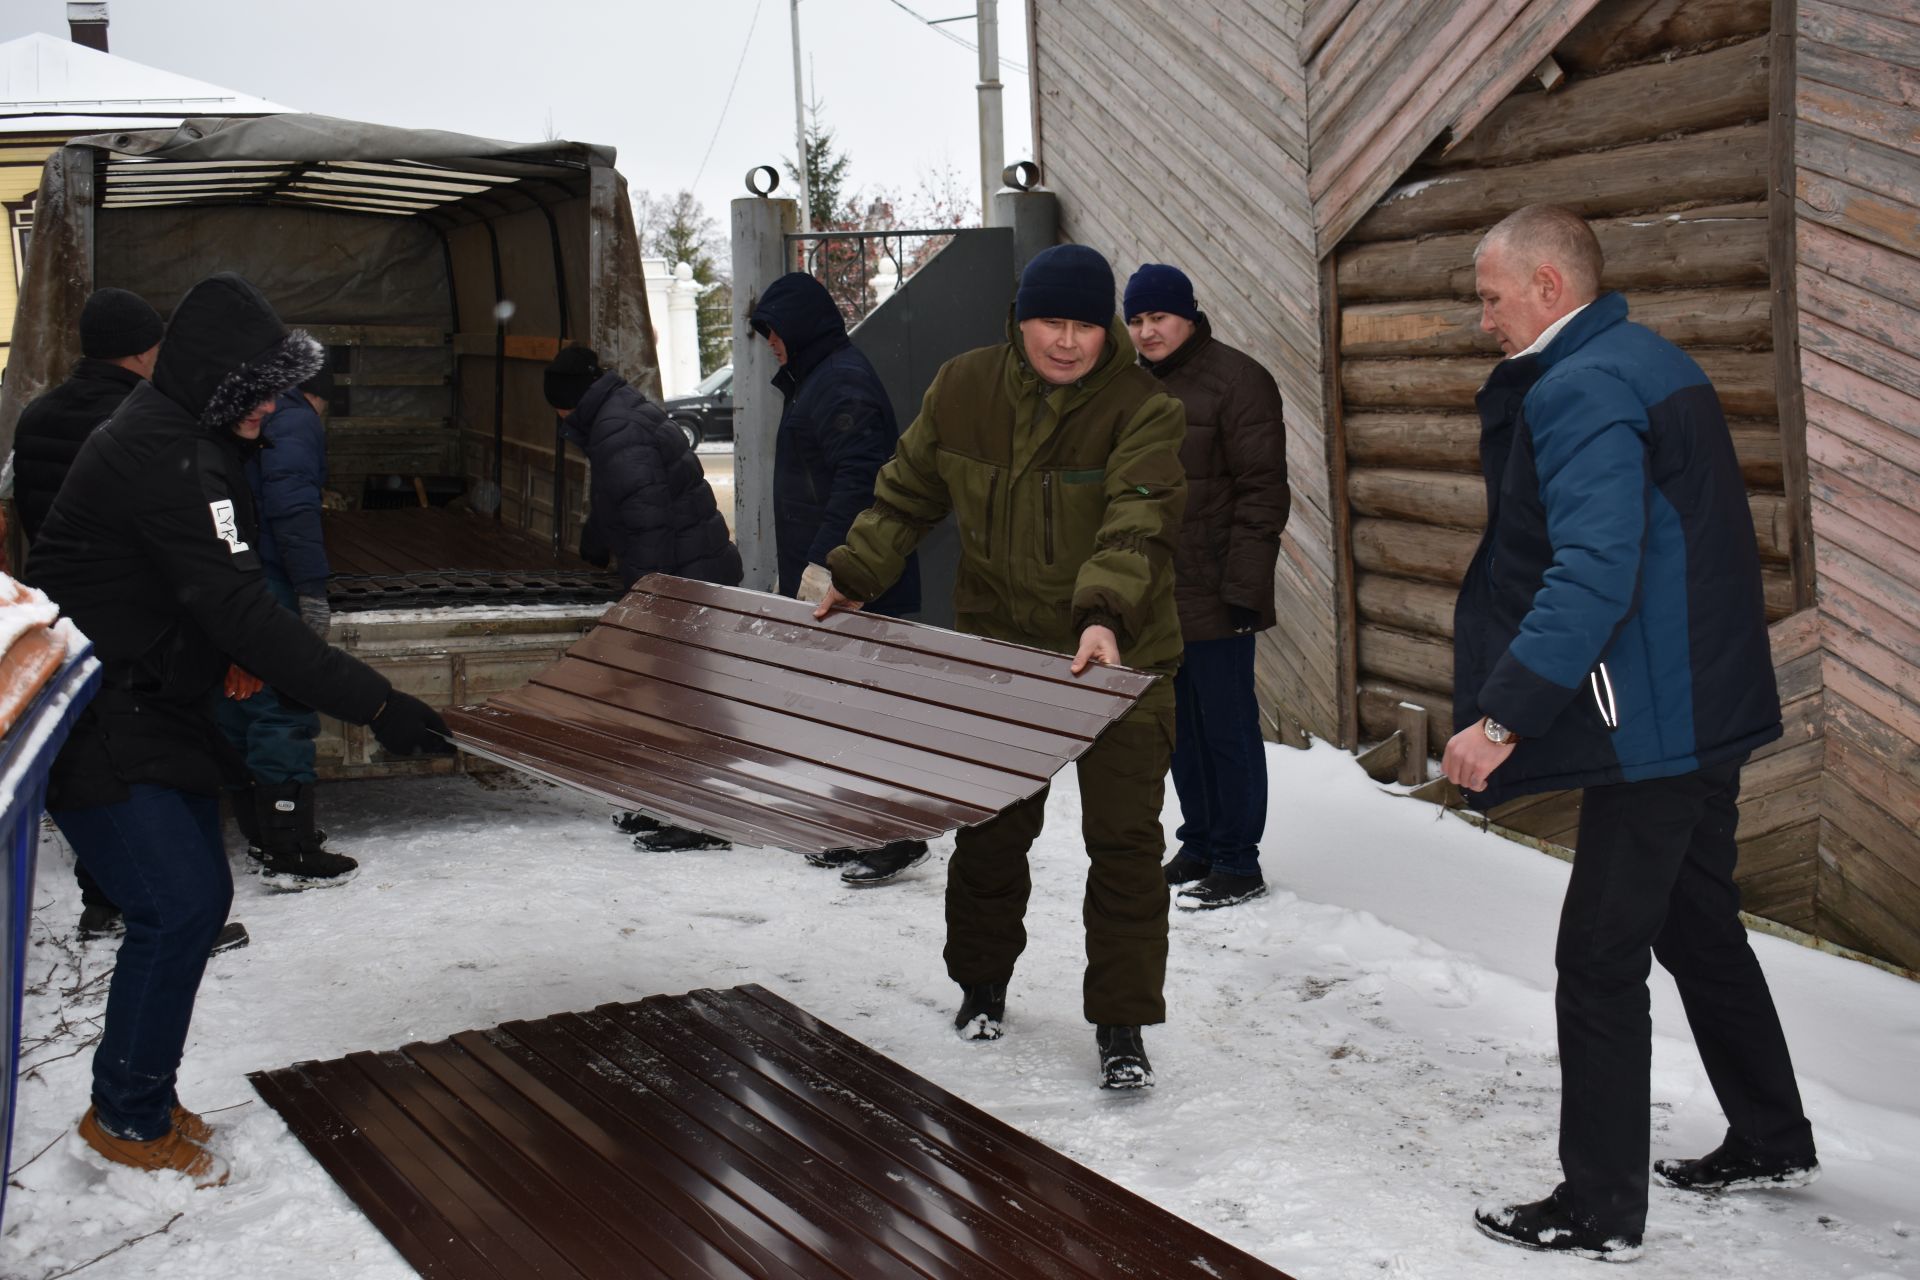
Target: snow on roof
(50, 85)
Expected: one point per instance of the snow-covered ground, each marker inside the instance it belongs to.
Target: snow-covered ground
(1349, 1065)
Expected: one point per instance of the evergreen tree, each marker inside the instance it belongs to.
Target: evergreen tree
(678, 229)
(826, 175)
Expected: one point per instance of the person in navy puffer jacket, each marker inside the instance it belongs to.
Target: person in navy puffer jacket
(1611, 634)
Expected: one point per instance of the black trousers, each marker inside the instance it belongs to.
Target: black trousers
(1654, 878)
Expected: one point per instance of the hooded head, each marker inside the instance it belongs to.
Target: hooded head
(226, 352)
(799, 309)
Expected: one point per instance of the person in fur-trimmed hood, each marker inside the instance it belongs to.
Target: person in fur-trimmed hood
(150, 549)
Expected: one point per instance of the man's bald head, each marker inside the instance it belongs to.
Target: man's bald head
(1536, 265)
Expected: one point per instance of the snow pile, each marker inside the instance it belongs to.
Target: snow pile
(1349, 1066)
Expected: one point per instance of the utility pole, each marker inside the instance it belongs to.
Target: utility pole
(992, 134)
(800, 128)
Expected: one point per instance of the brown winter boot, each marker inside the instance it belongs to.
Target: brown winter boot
(191, 1126)
(172, 1152)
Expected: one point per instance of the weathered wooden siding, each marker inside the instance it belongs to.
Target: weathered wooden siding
(1668, 147)
(1856, 160)
(1177, 133)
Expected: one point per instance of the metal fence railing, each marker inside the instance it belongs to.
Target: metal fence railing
(862, 269)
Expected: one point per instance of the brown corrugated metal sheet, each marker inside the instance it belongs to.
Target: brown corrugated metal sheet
(720, 1133)
(736, 713)
(416, 557)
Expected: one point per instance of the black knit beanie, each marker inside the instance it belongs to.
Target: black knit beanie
(568, 377)
(1159, 287)
(116, 323)
(1066, 282)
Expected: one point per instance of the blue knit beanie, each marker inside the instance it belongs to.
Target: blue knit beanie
(1066, 282)
(1159, 287)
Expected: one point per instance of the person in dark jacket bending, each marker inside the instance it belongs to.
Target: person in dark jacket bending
(1611, 635)
(1235, 457)
(150, 548)
(651, 510)
(275, 809)
(119, 341)
(836, 432)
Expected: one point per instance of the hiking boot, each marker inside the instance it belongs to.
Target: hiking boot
(1736, 1166)
(878, 866)
(191, 1125)
(1123, 1058)
(172, 1152)
(1220, 889)
(983, 1007)
(631, 822)
(101, 920)
(1185, 868)
(232, 936)
(1551, 1227)
(290, 857)
(832, 858)
(677, 840)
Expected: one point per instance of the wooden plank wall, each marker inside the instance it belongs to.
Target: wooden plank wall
(1177, 133)
(1668, 148)
(1856, 133)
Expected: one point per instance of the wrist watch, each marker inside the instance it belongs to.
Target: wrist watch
(1497, 732)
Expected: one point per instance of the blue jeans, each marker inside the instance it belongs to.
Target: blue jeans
(158, 855)
(1219, 761)
(276, 740)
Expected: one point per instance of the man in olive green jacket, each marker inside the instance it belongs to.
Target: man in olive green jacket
(1060, 461)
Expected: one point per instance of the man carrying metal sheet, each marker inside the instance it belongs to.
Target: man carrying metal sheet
(1060, 462)
(1611, 635)
(836, 431)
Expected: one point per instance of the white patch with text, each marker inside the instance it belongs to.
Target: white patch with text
(224, 527)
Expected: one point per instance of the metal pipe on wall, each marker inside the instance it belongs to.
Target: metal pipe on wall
(992, 127)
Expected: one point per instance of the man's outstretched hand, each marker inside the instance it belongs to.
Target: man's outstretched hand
(834, 600)
(1097, 644)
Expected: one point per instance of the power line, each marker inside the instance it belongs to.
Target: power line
(934, 26)
(731, 86)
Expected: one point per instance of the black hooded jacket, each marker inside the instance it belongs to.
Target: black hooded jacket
(836, 432)
(52, 429)
(652, 508)
(150, 550)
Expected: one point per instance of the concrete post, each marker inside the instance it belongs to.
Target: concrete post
(1035, 219)
(760, 229)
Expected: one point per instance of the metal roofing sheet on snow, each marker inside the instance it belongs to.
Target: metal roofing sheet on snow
(734, 712)
(716, 1134)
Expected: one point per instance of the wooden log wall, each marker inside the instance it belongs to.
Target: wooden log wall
(1856, 180)
(1178, 133)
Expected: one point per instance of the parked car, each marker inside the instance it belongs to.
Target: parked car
(707, 414)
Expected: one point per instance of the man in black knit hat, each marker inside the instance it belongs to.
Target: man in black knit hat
(119, 341)
(150, 549)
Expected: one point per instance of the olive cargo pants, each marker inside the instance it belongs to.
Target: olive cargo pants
(1122, 783)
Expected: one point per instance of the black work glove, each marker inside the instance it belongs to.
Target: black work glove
(1244, 621)
(407, 726)
(592, 549)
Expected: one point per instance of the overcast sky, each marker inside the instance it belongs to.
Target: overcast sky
(649, 77)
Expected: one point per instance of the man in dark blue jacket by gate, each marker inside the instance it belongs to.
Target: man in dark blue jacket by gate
(835, 434)
(1611, 634)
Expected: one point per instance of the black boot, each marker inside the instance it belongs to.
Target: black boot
(1184, 868)
(832, 858)
(677, 840)
(1123, 1058)
(290, 856)
(983, 1007)
(631, 822)
(1552, 1227)
(101, 920)
(878, 866)
(1219, 889)
(1737, 1166)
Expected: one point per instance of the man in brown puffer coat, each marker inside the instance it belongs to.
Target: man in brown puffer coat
(1235, 457)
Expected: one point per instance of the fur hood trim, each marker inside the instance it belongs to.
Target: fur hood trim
(288, 363)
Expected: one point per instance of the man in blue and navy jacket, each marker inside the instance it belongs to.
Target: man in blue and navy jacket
(1611, 635)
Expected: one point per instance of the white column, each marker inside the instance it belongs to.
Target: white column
(683, 330)
(659, 311)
